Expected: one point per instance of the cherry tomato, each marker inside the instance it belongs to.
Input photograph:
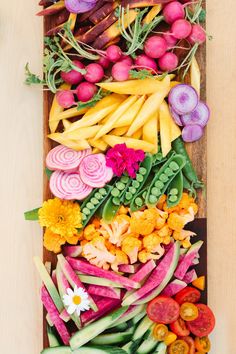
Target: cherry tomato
(179, 328)
(204, 323)
(160, 331)
(188, 294)
(188, 311)
(163, 309)
(203, 344)
(179, 347)
(189, 340)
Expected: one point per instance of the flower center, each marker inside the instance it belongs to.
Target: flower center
(76, 300)
(60, 218)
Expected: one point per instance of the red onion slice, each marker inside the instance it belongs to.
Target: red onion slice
(68, 186)
(94, 172)
(200, 115)
(176, 117)
(79, 6)
(183, 98)
(64, 159)
(191, 133)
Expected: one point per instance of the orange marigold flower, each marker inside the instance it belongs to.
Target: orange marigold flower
(53, 242)
(90, 232)
(62, 217)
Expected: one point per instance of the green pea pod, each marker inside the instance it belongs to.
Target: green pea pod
(93, 202)
(110, 210)
(163, 178)
(139, 201)
(141, 178)
(188, 169)
(175, 190)
(189, 187)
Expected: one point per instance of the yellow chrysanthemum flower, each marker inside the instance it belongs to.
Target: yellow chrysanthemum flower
(61, 217)
(53, 242)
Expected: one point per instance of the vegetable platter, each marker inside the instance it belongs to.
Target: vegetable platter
(124, 263)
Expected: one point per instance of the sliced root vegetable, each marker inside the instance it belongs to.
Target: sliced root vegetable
(187, 260)
(104, 305)
(195, 75)
(72, 251)
(190, 276)
(104, 291)
(70, 143)
(64, 315)
(150, 131)
(65, 159)
(153, 12)
(145, 270)
(70, 113)
(94, 172)
(200, 115)
(113, 140)
(90, 269)
(174, 287)
(79, 6)
(52, 9)
(81, 133)
(129, 116)
(55, 316)
(55, 110)
(68, 186)
(165, 128)
(176, 117)
(183, 98)
(191, 133)
(127, 268)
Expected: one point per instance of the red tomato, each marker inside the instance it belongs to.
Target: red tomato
(163, 309)
(188, 294)
(204, 323)
(189, 340)
(179, 328)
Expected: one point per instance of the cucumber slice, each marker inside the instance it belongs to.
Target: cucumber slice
(89, 279)
(84, 350)
(148, 345)
(142, 328)
(128, 347)
(94, 329)
(113, 338)
(161, 349)
(52, 338)
(131, 313)
(57, 350)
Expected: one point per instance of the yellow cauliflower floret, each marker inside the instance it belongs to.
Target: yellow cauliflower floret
(121, 258)
(145, 256)
(166, 240)
(185, 201)
(186, 243)
(172, 209)
(152, 242)
(183, 234)
(90, 232)
(97, 254)
(143, 222)
(176, 222)
(114, 231)
(123, 210)
(164, 231)
(131, 246)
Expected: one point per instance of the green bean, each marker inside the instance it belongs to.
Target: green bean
(188, 170)
(175, 190)
(189, 188)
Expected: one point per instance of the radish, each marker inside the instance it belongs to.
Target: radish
(186, 261)
(173, 11)
(144, 62)
(73, 77)
(104, 62)
(170, 39)
(85, 91)
(120, 71)
(168, 62)
(192, 133)
(183, 98)
(176, 117)
(79, 6)
(114, 53)
(181, 29)
(197, 35)
(94, 73)
(200, 115)
(65, 98)
(126, 59)
(155, 47)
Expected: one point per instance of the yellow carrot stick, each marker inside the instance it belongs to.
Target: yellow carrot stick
(121, 109)
(151, 105)
(71, 113)
(120, 131)
(155, 10)
(150, 131)
(165, 128)
(66, 123)
(56, 109)
(195, 75)
(75, 145)
(128, 117)
(99, 144)
(137, 134)
(82, 133)
(96, 151)
(112, 140)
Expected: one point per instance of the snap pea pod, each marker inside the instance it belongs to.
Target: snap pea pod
(188, 169)
(139, 199)
(175, 190)
(189, 188)
(163, 178)
(93, 201)
(141, 177)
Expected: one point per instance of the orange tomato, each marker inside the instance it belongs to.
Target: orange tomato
(188, 311)
(160, 332)
(179, 347)
(202, 344)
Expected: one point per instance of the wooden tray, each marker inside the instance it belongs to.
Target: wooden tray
(197, 153)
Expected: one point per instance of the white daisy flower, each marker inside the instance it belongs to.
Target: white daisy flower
(76, 301)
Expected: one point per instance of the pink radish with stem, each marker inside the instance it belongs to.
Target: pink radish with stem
(114, 53)
(65, 98)
(197, 35)
(120, 71)
(168, 62)
(94, 73)
(155, 47)
(126, 59)
(85, 91)
(170, 39)
(173, 11)
(181, 29)
(143, 61)
(73, 77)
(104, 62)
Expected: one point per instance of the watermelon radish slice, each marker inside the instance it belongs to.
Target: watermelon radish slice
(54, 278)
(127, 268)
(54, 316)
(65, 316)
(104, 305)
(50, 286)
(190, 276)
(187, 260)
(174, 287)
(158, 279)
(72, 251)
(94, 172)
(90, 269)
(143, 271)
(62, 158)
(72, 278)
(68, 186)
(63, 285)
(104, 291)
